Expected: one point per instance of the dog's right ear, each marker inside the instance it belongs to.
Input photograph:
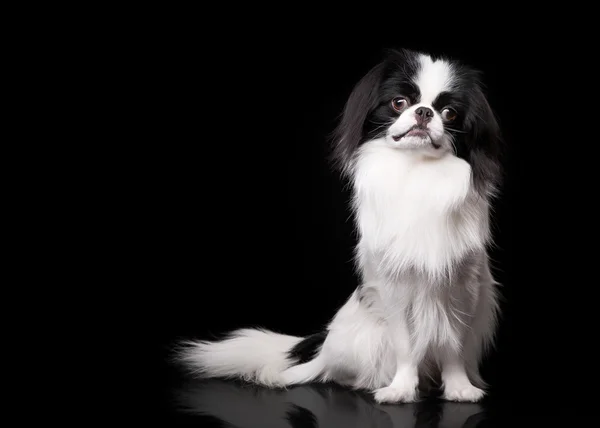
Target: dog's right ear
(349, 133)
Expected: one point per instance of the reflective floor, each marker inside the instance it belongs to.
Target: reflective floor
(217, 403)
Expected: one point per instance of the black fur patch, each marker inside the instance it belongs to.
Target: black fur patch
(306, 349)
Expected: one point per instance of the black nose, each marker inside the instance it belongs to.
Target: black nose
(423, 115)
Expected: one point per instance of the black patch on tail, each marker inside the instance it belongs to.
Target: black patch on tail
(306, 349)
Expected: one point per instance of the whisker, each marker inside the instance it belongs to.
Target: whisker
(381, 125)
(455, 130)
(452, 143)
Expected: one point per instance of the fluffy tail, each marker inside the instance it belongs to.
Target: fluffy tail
(258, 356)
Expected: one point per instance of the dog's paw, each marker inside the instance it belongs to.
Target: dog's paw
(391, 394)
(463, 393)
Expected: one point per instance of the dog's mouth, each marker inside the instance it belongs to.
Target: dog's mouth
(416, 131)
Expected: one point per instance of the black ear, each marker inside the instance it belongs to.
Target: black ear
(485, 146)
(349, 133)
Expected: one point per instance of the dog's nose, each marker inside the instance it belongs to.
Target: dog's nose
(423, 115)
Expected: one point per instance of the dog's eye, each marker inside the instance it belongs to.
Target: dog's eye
(399, 104)
(449, 115)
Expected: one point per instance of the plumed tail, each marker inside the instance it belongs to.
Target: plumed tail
(254, 355)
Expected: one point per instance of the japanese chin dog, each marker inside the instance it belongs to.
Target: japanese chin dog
(420, 146)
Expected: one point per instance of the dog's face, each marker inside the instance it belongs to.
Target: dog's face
(424, 105)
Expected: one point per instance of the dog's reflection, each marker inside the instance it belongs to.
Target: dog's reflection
(322, 406)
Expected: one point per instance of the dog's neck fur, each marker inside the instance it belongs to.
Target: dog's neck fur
(415, 214)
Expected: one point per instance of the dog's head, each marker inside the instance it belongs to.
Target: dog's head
(430, 106)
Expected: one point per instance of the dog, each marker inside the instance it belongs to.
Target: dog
(420, 146)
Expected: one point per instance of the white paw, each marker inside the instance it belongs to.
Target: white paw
(463, 392)
(391, 394)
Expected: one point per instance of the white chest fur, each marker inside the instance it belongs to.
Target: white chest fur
(415, 212)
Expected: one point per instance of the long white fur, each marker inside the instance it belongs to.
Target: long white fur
(251, 354)
(427, 294)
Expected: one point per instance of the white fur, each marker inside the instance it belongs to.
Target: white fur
(433, 78)
(415, 212)
(252, 354)
(427, 296)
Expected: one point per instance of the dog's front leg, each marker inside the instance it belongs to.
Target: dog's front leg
(457, 386)
(403, 388)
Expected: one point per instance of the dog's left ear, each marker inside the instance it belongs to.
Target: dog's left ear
(485, 143)
(349, 133)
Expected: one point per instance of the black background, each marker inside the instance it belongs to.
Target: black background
(240, 220)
